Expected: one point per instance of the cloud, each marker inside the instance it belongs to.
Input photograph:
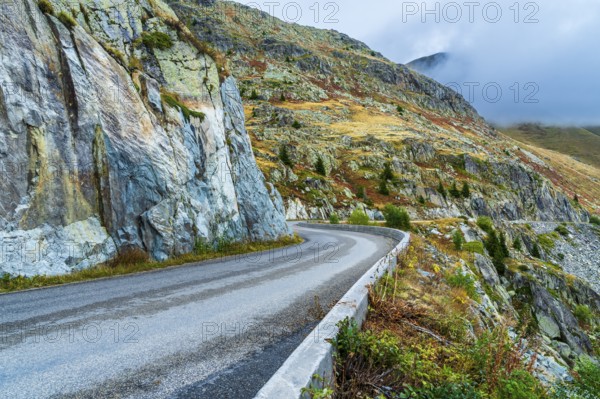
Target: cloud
(543, 56)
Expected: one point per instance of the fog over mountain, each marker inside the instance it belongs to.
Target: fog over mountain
(542, 56)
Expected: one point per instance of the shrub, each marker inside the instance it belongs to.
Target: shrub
(159, 40)
(462, 390)
(517, 245)
(586, 384)
(202, 247)
(67, 20)
(454, 191)
(588, 376)
(535, 251)
(320, 167)
(388, 173)
(562, 230)
(496, 247)
(503, 245)
(474, 247)
(520, 385)
(595, 220)
(442, 190)
(383, 188)
(135, 63)
(464, 281)
(282, 97)
(458, 239)
(296, 125)
(400, 110)
(129, 257)
(361, 192)
(358, 217)
(466, 191)
(254, 95)
(334, 219)
(396, 218)
(284, 156)
(584, 314)
(547, 241)
(421, 200)
(485, 223)
(46, 7)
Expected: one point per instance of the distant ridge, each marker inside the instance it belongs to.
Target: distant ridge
(427, 63)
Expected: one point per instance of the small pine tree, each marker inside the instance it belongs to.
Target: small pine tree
(421, 200)
(254, 95)
(284, 156)
(503, 245)
(320, 167)
(458, 239)
(383, 188)
(494, 246)
(388, 173)
(400, 110)
(296, 125)
(466, 190)
(361, 193)
(282, 98)
(442, 190)
(535, 251)
(517, 244)
(454, 191)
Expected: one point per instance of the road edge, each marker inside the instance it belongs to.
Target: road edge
(314, 356)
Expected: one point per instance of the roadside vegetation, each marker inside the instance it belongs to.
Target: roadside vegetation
(425, 337)
(395, 218)
(136, 261)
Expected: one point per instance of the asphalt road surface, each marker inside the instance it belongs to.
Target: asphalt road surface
(216, 329)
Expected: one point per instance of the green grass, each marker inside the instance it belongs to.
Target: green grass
(46, 7)
(548, 241)
(158, 40)
(474, 247)
(136, 261)
(187, 113)
(577, 142)
(67, 20)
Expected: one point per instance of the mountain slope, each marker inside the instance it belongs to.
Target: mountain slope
(118, 133)
(324, 95)
(579, 143)
(426, 64)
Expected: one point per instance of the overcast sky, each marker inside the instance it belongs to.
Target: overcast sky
(544, 57)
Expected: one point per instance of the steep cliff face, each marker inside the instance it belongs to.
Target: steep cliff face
(116, 132)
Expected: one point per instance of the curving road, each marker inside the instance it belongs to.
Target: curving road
(216, 329)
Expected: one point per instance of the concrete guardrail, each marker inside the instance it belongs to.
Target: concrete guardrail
(314, 356)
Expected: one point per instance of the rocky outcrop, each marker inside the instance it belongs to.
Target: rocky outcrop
(108, 152)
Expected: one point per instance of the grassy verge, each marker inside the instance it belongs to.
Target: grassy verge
(130, 262)
(424, 338)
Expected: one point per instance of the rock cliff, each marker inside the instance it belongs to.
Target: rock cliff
(118, 130)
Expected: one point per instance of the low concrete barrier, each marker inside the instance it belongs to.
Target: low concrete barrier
(314, 356)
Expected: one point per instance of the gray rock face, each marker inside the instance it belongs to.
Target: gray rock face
(94, 160)
(261, 206)
(487, 270)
